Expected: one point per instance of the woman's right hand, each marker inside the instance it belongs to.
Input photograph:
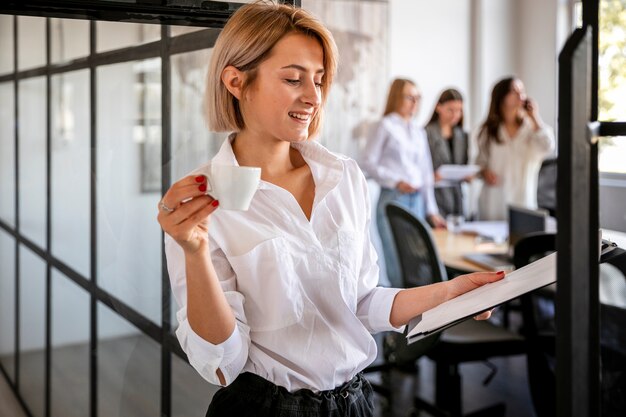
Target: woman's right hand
(406, 188)
(184, 213)
(490, 177)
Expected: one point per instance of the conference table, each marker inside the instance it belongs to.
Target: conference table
(453, 246)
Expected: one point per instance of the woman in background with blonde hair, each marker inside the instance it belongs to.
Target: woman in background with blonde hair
(278, 303)
(398, 159)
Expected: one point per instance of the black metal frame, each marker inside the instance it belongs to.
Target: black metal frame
(578, 341)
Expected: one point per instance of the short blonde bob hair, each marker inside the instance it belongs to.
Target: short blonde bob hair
(396, 95)
(246, 41)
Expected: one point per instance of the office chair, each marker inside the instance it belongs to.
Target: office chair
(466, 342)
(546, 186)
(540, 332)
(538, 326)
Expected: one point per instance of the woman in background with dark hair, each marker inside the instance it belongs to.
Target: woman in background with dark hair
(448, 145)
(512, 143)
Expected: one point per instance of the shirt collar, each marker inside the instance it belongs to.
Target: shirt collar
(326, 167)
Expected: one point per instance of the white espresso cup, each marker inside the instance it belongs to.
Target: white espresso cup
(233, 186)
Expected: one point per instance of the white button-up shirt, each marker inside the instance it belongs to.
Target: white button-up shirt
(516, 162)
(398, 151)
(303, 292)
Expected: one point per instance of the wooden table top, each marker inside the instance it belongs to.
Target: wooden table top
(452, 247)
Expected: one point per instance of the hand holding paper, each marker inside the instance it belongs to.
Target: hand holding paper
(469, 304)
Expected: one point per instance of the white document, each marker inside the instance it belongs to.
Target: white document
(531, 277)
(457, 173)
(497, 230)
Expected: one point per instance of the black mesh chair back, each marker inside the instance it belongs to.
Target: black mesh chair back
(538, 326)
(546, 186)
(417, 254)
(420, 266)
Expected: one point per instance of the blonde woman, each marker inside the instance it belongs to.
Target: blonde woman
(397, 157)
(278, 303)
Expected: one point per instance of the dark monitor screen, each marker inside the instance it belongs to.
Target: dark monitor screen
(523, 221)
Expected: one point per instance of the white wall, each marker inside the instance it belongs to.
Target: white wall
(472, 44)
(537, 47)
(429, 43)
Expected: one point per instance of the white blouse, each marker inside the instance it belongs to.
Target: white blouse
(303, 292)
(398, 151)
(516, 162)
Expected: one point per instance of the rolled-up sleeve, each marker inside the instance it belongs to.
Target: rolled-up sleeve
(229, 356)
(372, 155)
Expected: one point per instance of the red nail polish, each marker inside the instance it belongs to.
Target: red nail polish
(500, 272)
(202, 187)
(200, 178)
(215, 203)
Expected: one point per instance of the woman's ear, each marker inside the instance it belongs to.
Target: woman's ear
(233, 80)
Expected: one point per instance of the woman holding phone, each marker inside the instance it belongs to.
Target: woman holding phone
(278, 303)
(512, 143)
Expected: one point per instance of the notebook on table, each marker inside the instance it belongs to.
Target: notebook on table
(521, 222)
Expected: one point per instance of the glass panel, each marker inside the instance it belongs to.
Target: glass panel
(6, 44)
(612, 61)
(129, 369)
(181, 30)
(70, 348)
(129, 184)
(69, 39)
(173, 310)
(70, 169)
(31, 42)
(115, 35)
(32, 329)
(32, 155)
(7, 303)
(191, 394)
(7, 153)
(612, 154)
(192, 143)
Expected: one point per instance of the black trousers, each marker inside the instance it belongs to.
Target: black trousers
(252, 396)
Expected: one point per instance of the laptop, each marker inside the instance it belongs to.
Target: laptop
(522, 221)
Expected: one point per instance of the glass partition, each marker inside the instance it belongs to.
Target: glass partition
(116, 35)
(70, 156)
(6, 44)
(32, 330)
(7, 304)
(69, 377)
(31, 42)
(129, 183)
(129, 369)
(7, 153)
(191, 394)
(69, 39)
(32, 158)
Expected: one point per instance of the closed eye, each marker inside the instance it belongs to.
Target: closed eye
(292, 82)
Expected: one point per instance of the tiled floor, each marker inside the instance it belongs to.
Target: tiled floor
(9, 406)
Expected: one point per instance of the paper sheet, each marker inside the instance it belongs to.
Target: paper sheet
(531, 277)
(457, 172)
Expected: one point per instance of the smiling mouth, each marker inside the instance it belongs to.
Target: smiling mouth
(302, 117)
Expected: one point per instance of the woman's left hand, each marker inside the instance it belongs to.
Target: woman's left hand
(437, 221)
(464, 283)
